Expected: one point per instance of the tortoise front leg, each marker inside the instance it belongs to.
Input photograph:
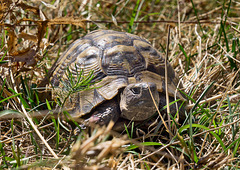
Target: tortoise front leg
(107, 111)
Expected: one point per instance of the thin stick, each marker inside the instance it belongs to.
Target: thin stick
(179, 21)
(164, 123)
(166, 80)
(210, 99)
(119, 22)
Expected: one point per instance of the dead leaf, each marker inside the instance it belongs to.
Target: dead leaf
(234, 98)
(12, 41)
(26, 36)
(54, 6)
(33, 9)
(42, 28)
(27, 56)
(4, 8)
(42, 15)
(114, 21)
(68, 20)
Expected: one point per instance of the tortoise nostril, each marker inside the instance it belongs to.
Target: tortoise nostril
(136, 90)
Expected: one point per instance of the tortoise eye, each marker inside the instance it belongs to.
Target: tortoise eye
(136, 90)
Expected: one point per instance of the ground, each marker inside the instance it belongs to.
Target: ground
(203, 49)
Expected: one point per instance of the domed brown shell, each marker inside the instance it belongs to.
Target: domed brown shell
(117, 59)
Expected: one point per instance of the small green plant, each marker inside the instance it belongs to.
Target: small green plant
(74, 83)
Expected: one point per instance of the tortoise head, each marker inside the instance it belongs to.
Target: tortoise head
(137, 102)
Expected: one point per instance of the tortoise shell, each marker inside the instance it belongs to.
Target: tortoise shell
(117, 59)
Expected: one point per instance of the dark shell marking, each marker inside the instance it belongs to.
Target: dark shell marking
(118, 59)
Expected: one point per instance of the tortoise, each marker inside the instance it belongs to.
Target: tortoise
(129, 74)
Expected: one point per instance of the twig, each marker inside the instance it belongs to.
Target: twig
(166, 80)
(209, 99)
(119, 22)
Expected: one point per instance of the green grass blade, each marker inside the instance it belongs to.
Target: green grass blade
(126, 129)
(1, 60)
(236, 147)
(202, 95)
(132, 147)
(56, 124)
(25, 104)
(225, 37)
(130, 26)
(196, 14)
(205, 128)
(231, 117)
(223, 17)
(15, 95)
(232, 144)
(10, 112)
(69, 37)
(1, 149)
(151, 144)
(70, 117)
(187, 58)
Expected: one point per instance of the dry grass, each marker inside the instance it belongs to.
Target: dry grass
(204, 50)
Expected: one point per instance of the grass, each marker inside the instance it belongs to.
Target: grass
(203, 49)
